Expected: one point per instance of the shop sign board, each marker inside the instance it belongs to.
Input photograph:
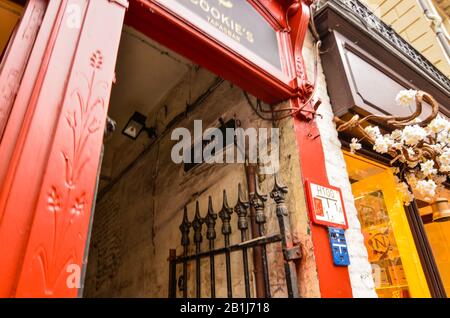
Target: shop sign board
(326, 205)
(237, 25)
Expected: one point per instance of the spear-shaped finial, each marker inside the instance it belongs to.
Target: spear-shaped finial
(184, 228)
(279, 191)
(210, 221)
(241, 209)
(197, 224)
(257, 200)
(225, 215)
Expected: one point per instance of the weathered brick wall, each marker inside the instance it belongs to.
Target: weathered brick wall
(360, 270)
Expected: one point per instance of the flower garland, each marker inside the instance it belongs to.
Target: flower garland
(420, 148)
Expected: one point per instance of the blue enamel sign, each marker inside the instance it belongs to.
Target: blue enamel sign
(338, 247)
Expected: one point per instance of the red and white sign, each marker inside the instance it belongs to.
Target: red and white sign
(326, 205)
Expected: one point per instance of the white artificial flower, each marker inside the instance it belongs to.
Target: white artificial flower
(396, 134)
(397, 145)
(406, 97)
(388, 140)
(444, 161)
(373, 131)
(411, 179)
(404, 192)
(437, 148)
(412, 135)
(445, 157)
(381, 145)
(428, 168)
(438, 124)
(355, 145)
(444, 168)
(426, 188)
(443, 137)
(411, 152)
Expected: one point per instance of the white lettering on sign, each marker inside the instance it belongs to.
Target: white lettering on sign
(223, 22)
(326, 205)
(236, 24)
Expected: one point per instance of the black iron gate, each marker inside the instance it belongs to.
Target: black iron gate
(257, 204)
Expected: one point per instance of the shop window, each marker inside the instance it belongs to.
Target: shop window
(10, 12)
(438, 234)
(396, 266)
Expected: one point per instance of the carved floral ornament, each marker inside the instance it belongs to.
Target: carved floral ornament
(420, 148)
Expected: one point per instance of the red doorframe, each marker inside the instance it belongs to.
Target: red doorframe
(52, 143)
(53, 136)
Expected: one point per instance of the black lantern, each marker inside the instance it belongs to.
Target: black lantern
(135, 125)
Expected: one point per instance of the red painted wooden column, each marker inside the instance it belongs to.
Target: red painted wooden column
(334, 281)
(51, 146)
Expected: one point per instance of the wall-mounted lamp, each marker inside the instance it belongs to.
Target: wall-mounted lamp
(136, 125)
(441, 210)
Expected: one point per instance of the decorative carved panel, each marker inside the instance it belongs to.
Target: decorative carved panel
(47, 195)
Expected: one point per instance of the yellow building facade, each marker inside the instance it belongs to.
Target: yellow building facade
(366, 63)
(407, 17)
(419, 27)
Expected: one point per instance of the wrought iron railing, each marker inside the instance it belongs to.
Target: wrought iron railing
(195, 228)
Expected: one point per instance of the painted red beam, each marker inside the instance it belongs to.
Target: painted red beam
(158, 23)
(334, 281)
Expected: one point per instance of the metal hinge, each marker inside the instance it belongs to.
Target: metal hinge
(123, 3)
(292, 253)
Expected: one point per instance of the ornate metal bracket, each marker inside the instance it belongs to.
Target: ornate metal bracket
(423, 150)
